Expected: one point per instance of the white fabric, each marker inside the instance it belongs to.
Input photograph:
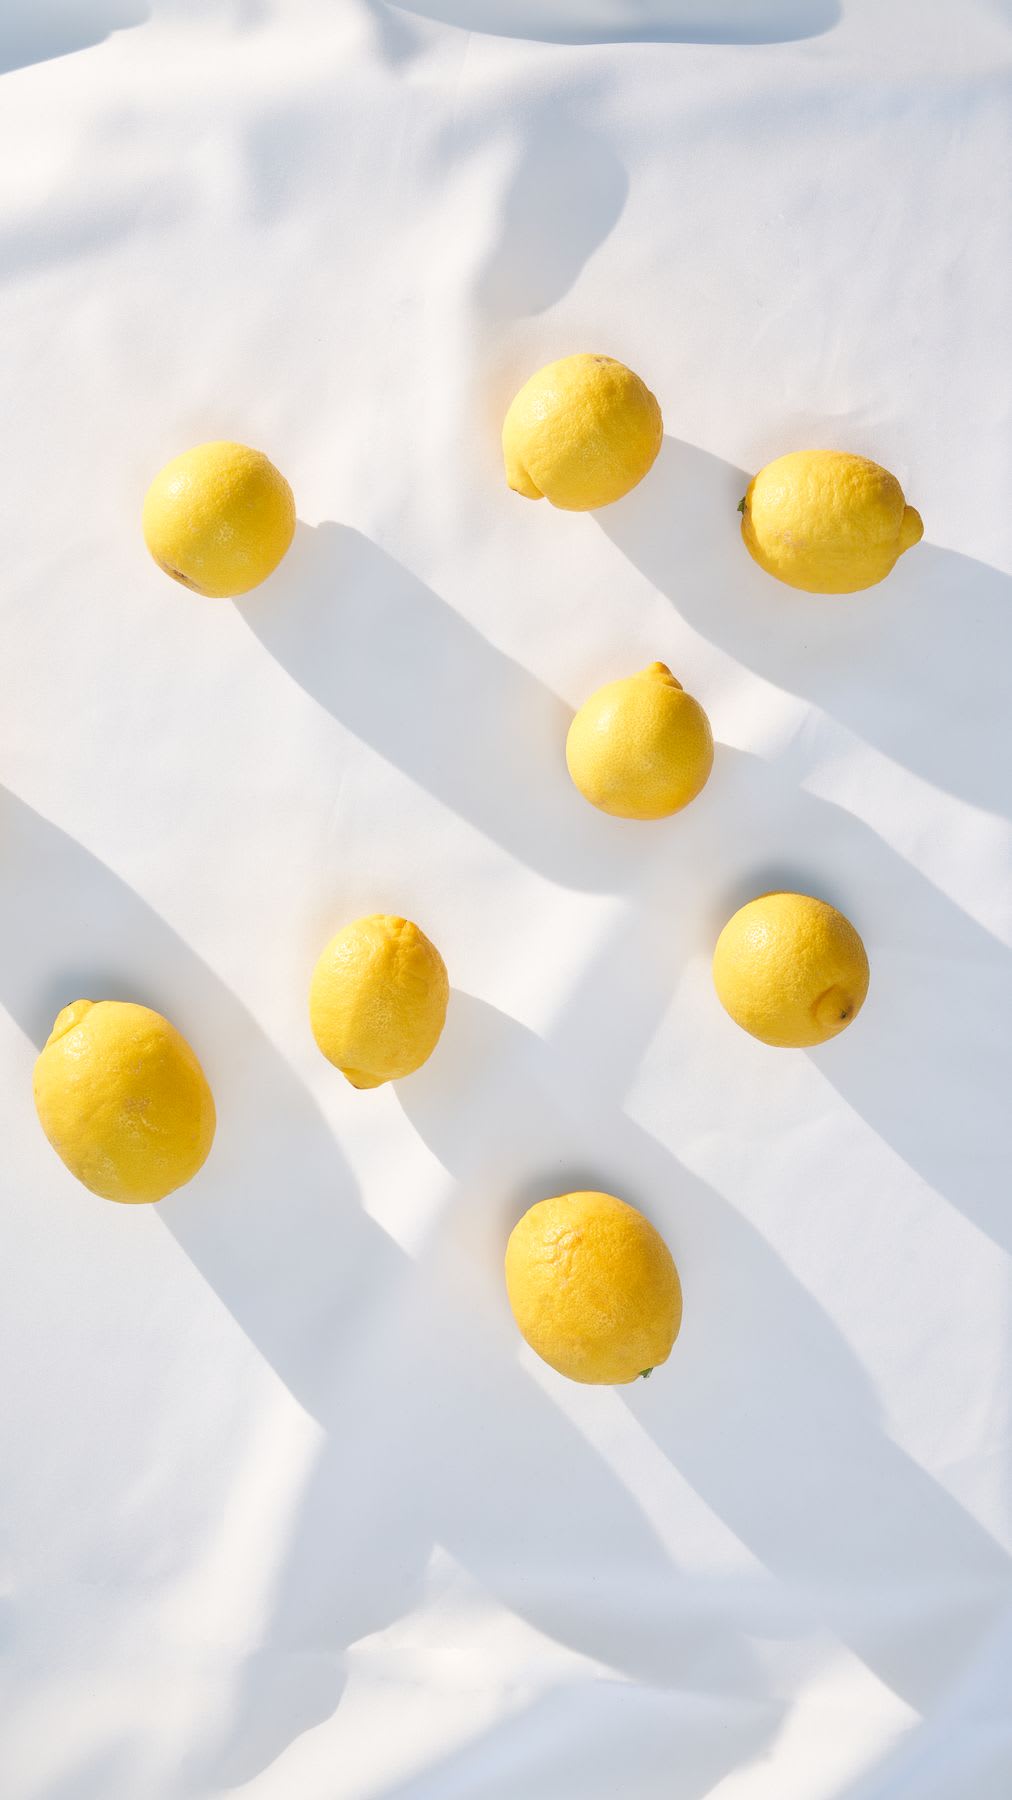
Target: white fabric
(289, 1510)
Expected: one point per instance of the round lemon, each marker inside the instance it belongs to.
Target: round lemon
(791, 970)
(581, 433)
(593, 1288)
(826, 521)
(123, 1100)
(219, 519)
(640, 748)
(377, 1000)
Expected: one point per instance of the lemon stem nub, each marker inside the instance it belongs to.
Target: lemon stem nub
(741, 503)
(645, 1374)
(177, 575)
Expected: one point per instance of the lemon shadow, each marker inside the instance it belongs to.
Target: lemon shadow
(396, 665)
(623, 1741)
(634, 21)
(272, 1222)
(408, 1367)
(916, 666)
(35, 31)
(763, 1406)
(926, 1063)
(564, 197)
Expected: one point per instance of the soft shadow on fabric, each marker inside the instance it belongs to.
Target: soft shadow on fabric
(413, 678)
(35, 31)
(928, 1051)
(800, 1468)
(530, 1752)
(917, 666)
(296, 1262)
(478, 1461)
(309, 1278)
(564, 197)
(98, 1777)
(948, 1753)
(274, 1226)
(365, 637)
(635, 21)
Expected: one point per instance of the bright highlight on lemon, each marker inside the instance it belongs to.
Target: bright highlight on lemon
(593, 1288)
(581, 433)
(219, 519)
(790, 970)
(827, 522)
(377, 1000)
(123, 1100)
(640, 748)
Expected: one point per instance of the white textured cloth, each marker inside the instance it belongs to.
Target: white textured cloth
(288, 1509)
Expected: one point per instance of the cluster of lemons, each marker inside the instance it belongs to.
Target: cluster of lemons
(593, 1287)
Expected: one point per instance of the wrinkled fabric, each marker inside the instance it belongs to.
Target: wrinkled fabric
(289, 1511)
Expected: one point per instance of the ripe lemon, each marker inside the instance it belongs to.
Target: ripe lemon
(826, 521)
(640, 748)
(791, 970)
(593, 1288)
(219, 519)
(123, 1100)
(581, 433)
(377, 1000)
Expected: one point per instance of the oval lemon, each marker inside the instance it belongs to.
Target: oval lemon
(123, 1100)
(827, 522)
(593, 1288)
(377, 1000)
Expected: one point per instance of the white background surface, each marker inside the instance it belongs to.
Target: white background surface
(287, 1507)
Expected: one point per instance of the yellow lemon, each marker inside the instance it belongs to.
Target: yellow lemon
(791, 970)
(593, 1288)
(641, 748)
(123, 1100)
(377, 1000)
(219, 519)
(581, 433)
(826, 521)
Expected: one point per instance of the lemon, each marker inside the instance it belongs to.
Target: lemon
(640, 748)
(581, 433)
(123, 1100)
(377, 1000)
(791, 970)
(593, 1287)
(219, 519)
(826, 521)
